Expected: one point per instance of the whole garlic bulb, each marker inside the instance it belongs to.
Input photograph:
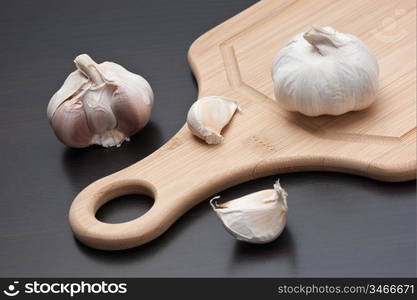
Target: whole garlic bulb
(209, 115)
(255, 218)
(323, 71)
(101, 104)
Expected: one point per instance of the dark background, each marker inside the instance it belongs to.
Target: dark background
(338, 225)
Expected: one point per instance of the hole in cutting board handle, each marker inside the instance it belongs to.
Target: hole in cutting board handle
(119, 193)
(124, 208)
(117, 236)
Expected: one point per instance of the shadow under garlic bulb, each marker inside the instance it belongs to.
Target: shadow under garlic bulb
(102, 104)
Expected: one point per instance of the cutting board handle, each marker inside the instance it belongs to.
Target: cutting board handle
(146, 178)
(173, 175)
(105, 236)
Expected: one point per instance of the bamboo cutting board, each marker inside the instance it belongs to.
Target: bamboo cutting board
(234, 60)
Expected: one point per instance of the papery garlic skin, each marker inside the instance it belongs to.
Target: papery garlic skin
(101, 104)
(209, 115)
(323, 71)
(255, 218)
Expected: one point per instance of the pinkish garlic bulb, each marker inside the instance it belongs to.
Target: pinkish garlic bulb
(102, 104)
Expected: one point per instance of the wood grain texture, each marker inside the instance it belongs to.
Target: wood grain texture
(234, 60)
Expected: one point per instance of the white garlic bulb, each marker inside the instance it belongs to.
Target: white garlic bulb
(323, 71)
(101, 104)
(209, 115)
(256, 218)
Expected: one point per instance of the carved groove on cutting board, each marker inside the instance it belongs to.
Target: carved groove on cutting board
(408, 134)
(266, 19)
(236, 82)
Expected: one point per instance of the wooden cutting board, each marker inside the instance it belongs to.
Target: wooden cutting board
(234, 60)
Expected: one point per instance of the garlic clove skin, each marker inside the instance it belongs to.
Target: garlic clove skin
(255, 218)
(132, 115)
(325, 72)
(70, 124)
(74, 82)
(111, 105)
(209, 115)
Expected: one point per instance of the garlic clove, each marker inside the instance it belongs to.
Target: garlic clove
(209, 115)
(132, 115)
(70, 124)
(116, 104)
(72, 84)
(256, 218)
(133, 83)
(98, 110)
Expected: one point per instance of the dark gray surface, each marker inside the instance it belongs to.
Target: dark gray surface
(338, 225)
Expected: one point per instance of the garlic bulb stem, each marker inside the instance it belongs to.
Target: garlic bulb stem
(319, 39)
(88, 67)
